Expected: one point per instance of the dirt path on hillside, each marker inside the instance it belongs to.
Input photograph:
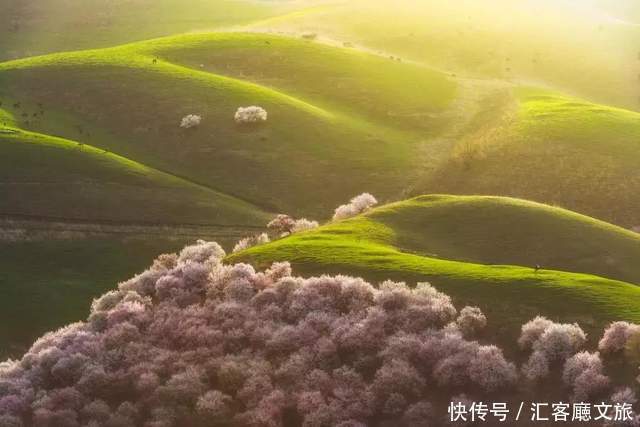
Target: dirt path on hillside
(33, 229)
(465, 115)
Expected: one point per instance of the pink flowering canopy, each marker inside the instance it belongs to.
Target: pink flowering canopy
(194, 342)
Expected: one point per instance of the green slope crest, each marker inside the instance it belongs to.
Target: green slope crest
(49, 177)
(482, 251)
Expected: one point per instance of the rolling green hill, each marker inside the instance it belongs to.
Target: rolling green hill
(497, 230)
(47, 177)
(75, 220)
(396, 98)
(401, 240)
(336, 113)
(588, 48)
(120, 158)
(30, 28)
(341, 121)
(345, 80)
(310, 153)
(553, 149)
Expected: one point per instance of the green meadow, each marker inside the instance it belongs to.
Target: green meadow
(550, 148)
(498, 136)
(45, 26)
(335, 113)
(482, 251)
(72, 180)
(588, 48)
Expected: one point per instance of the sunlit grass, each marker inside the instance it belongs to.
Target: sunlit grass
(335, 125)
(44, 26)
(45, 176)
(551, 148)
(570, 46)
(359, 83)
(497, 230)
(599, 127)
(369, 245)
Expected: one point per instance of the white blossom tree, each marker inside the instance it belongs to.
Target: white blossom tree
(252, 114)
(190, 121)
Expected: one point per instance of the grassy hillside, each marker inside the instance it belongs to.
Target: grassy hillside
(75, 220)
(347, 80)
(554, 149)
(588, 48)
(376, 245)
(395, 98)
(307, 155)
(341, 121)
(497, 230)
(30, 28)
(47, 177)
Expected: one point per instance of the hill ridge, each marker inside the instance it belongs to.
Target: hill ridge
(367, 245)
